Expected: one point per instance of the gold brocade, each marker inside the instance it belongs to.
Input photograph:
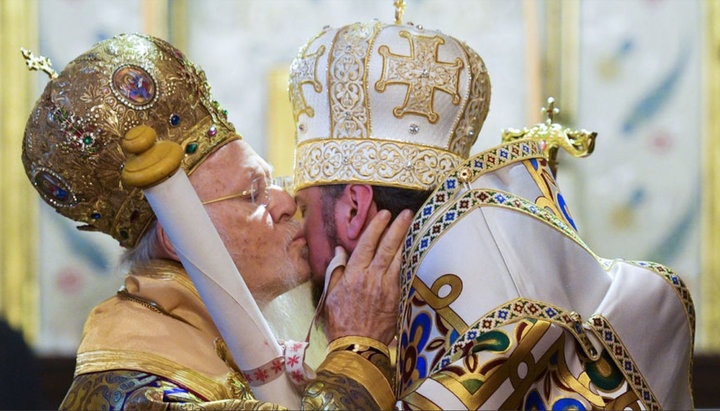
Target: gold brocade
(123, 334)
(71, 148)
(349, 364)
(125, 389)
(344, 342)
(386, 162)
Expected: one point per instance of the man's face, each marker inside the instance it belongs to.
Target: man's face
(266, 245)
(319, 229)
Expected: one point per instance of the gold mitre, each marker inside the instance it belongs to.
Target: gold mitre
(71, 147)
(385, 104)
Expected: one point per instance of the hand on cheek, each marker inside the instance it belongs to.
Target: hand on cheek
(363, 298)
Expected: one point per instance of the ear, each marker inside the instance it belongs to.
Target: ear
(165, 249)
(356, 208)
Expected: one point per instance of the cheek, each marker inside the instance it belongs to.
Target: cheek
(318, 248)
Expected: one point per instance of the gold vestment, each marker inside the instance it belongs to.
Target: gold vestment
(155, 346)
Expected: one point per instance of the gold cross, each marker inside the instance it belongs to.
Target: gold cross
(422, 74)
(38, 63)
(553, 136)
(550, 110)
(399, 10)
(304, 71)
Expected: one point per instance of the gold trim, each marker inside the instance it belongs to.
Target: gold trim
(364, 373)
(18, 206)
(710, 274)
(108, 360)
(371, 161)
(167, 270)
(636, 381)
(344, 342)
(419, 402)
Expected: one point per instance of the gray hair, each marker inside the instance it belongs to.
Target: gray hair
(144, 250)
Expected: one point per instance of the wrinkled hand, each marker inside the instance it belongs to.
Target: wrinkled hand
(363, 297)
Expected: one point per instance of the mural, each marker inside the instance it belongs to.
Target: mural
(639, 195)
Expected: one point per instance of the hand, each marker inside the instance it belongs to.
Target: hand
(362, 299)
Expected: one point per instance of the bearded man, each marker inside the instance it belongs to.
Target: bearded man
(502, 305)
(154, 344)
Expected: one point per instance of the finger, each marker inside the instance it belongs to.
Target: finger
(335, 277)
(391, 242)
(365, 248)
(395, 270)
(391, 283)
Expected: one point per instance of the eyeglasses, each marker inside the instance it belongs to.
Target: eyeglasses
(259, 192)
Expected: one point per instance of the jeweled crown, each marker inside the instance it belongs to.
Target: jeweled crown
(71, 147)
(385, 104)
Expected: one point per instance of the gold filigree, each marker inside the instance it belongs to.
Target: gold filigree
(476, 108)
(71, 147)
(304, 71)
(349, 113)
(553, 136)
(40, 63)
(355, 112)
(422, 73)
(389, 163)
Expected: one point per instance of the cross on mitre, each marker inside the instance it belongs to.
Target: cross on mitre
(422, 73)
(304, 71)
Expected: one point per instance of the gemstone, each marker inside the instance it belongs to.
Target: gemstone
(225, 113)
(174, 120)
(87, 140)
(414, 128)
(301, 127)
(95, 216)
(134, 216)
(124, 234)
(191, 148)
(212, 131)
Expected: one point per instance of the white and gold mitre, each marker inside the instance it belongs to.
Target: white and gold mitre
(385, 104)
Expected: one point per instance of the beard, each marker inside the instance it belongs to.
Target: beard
(318, 282)
(289, 317)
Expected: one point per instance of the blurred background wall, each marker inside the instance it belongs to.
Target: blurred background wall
(644, 74)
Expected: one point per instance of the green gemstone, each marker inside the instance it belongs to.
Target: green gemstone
(124, 234)
(191, 148)
(87, 140)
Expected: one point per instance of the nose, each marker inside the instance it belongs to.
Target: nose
(282, 207)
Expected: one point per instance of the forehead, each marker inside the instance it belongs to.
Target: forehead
(308, 196)
(238, 159)
(231, 167)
